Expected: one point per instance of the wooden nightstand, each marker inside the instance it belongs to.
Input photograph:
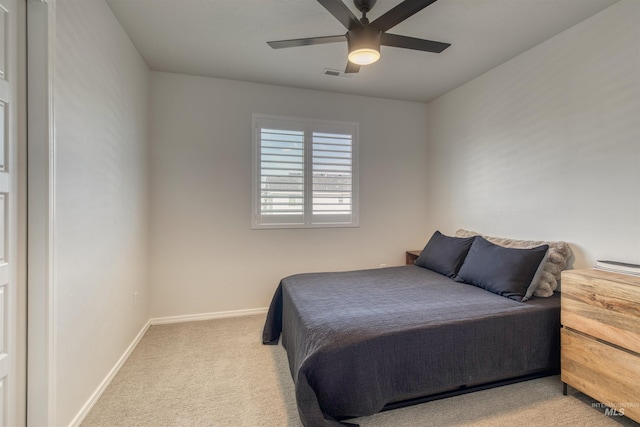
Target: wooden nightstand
(600, 337)
(412, 256)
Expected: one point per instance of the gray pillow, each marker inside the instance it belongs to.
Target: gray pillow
(503, 271)
(444, 254)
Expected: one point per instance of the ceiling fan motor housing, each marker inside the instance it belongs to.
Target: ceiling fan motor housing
(363, 38)
(364, 5)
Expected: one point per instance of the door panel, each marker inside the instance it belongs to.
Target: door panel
(8, 220)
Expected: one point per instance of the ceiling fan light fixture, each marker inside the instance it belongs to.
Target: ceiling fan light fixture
(364, 45)
(364, 56)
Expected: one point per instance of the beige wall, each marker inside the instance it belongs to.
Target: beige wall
(204, 256)
(547, 145)
(101, 88)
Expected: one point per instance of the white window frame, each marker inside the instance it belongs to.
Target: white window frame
(307, 219)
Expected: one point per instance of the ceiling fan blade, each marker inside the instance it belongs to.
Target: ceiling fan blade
(341, 12)
(352, 68)
(279, 44)
(405, 42)
(399, 13)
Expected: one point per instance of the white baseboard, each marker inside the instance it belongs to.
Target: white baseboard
(105, 383)
(155, 321)
(207, 316)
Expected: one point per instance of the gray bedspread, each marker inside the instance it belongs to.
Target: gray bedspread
(359, 340)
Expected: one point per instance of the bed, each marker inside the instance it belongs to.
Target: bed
(360, 341)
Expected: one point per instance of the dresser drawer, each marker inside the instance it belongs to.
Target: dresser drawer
(605, 373)
(604, 305)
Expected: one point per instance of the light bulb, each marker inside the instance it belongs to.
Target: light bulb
(364, 56)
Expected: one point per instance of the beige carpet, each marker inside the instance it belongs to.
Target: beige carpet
(217, 373)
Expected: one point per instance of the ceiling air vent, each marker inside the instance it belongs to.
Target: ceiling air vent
(337, 73)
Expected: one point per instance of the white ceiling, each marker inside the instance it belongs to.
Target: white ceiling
(227, 39)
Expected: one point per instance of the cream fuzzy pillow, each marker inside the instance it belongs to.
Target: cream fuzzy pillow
(554, 263)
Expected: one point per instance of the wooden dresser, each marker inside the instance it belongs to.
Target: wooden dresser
(600, 338)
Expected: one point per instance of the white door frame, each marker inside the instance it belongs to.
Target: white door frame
(21, 168)
(41, 363)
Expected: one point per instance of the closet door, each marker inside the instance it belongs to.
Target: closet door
(8, 211)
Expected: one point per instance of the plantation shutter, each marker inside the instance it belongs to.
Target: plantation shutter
(332, 177)
(304, 173)
(281, 176)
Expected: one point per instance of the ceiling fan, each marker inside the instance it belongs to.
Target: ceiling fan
(363, 37)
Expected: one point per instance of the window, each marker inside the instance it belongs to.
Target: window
(304, 173)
